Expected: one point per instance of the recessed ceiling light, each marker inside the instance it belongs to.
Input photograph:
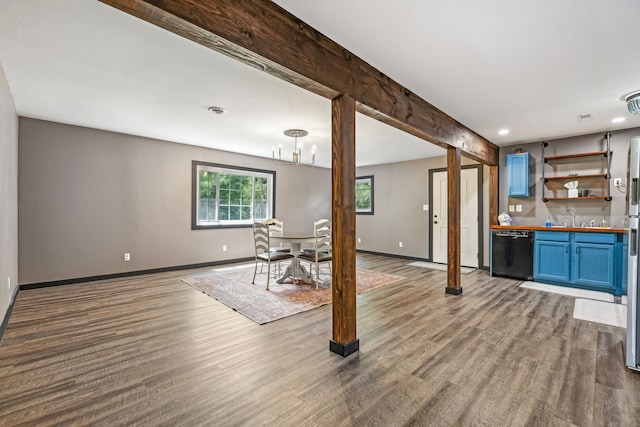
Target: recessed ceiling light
(618, 120)
(503, 132)
(217, 110)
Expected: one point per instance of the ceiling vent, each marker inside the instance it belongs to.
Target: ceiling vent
(633, 102)
(585, 117)
(217, 110)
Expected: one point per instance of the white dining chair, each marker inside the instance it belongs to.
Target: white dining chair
(321, 251)
(263, 254)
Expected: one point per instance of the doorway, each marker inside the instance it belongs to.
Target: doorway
(470, 209)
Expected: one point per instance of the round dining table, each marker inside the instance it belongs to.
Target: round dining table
(295, 271)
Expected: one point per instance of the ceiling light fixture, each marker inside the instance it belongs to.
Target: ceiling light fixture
(618, 120)
(217, 110)
(296, 156)
(503, 132)
(633, 102)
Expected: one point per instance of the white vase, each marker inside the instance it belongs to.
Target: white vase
(504, 219)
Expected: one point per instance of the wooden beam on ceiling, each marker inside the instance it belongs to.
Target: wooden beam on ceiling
(265, 36)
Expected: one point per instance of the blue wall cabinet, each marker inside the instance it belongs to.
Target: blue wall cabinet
(518, 175)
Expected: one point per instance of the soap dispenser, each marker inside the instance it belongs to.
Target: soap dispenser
(548, 223)
(603, 224)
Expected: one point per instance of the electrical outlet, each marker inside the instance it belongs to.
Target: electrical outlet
(518, 208)
(400, 244)
(617, 182)
(224, 248)
(425, 207)
(512, 208)
(359, 240)
(127, 256)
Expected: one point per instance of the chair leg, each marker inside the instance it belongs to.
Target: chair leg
(317, 274)
(268, 274)
(255, 270)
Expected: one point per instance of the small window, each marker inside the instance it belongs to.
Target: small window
(364, 195)
(229, 196)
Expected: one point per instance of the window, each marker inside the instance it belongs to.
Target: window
(228, 196)
(364, 195)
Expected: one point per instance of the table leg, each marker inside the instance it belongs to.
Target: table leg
(295, 270)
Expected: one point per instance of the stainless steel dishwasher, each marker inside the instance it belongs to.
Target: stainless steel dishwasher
(512, 254)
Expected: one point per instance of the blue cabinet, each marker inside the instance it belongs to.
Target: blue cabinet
(552, 256)
(582, 259)
(518, 175)
(625, 264)
(593, 265)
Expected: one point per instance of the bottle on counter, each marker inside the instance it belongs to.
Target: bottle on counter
(603, 224)
(548, 223)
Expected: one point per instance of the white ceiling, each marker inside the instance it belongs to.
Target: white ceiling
(530, 67)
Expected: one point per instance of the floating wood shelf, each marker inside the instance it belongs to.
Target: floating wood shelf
(565, 177)
(573, 156)
(608, 198)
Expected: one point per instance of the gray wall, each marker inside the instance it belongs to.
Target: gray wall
(535, 212)
(8, 197)
(88, 196)
(400, 191)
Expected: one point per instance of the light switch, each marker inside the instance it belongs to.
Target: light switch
(518, 208)
(425, 207)
(512, 208)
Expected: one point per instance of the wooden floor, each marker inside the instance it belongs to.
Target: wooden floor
(151, 350)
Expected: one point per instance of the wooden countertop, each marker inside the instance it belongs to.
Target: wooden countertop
(543, 228)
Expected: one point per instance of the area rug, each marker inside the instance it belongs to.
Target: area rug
(565, 290)
(441, 267)
(233, 288)
(601, 312)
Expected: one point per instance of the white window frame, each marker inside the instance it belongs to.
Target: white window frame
(198, 166)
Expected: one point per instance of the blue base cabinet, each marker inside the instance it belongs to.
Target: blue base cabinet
(551, 261)
(625, 264)
(593, 260)
(581, 260)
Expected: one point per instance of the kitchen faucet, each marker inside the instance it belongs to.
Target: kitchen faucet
(573, 217)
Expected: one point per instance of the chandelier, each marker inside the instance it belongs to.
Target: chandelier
(296, 155)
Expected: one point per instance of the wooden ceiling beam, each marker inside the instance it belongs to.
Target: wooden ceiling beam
(262, 34)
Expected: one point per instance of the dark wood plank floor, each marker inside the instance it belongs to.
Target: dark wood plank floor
(151, 350)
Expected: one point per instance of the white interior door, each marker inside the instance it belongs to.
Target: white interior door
(468, 217)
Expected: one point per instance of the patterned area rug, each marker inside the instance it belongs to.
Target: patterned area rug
(233, 288)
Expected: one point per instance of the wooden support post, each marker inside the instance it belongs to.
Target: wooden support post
(343, 149)
(453, 222)
(494, 199)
